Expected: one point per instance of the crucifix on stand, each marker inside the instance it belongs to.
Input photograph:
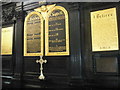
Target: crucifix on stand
(41, 61)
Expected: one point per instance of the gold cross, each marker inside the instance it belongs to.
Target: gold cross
(41, 61)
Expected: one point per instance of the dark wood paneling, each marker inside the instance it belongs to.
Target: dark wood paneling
(75, 70)
(30, 65)
(7, 63)
(56, 69)
(91, 78)
(75, 40)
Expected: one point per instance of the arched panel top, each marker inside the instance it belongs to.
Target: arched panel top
(33, 14)
(61, 9)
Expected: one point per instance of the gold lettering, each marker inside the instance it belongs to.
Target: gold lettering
(59, 48)
(54, 35)
(56, 18)
(57, 13)
(34, 17)
(56, 24)
(56, 29)
(57, 40)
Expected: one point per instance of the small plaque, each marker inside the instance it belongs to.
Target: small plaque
(6, 40)
(104, 30)
(107, 64)
(33, 34)
(57, 33)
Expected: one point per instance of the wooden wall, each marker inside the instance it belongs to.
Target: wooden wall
(76, 70)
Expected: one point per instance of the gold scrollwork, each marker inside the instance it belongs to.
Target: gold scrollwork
(44, 10)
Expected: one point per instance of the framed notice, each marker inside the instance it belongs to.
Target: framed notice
(57, 32)
(33, 34)
(104, 30)
(6, 40)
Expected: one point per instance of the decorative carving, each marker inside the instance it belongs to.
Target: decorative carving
(8, 13)
(73, 6)
(19, 14)
(44, 9)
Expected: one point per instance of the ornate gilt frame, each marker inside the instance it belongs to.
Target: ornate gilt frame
(47, 53)
(25, 32)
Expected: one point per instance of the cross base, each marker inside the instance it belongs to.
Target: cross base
(41, 77)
